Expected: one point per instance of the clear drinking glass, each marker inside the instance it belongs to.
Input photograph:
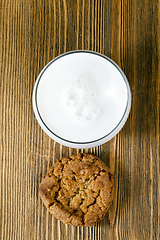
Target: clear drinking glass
(81, 99)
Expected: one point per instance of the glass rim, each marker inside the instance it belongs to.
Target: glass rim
(53, 135)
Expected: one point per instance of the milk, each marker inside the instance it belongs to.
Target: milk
(81, 97)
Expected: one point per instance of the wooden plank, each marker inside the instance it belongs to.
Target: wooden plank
(31, 34)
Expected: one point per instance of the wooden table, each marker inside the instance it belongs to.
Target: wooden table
(32, 32)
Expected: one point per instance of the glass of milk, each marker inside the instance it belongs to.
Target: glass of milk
(81, 99)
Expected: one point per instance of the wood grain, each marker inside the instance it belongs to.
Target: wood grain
(31, 34)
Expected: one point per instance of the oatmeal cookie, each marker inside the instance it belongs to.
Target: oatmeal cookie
(78, 190)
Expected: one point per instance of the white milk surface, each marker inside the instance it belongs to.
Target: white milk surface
(81, 97)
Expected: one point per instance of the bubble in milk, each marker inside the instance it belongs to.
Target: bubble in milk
(78, 80)
(88, 116)
(71, 94)
(95, 110)
(78, 112)
(81, 99)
